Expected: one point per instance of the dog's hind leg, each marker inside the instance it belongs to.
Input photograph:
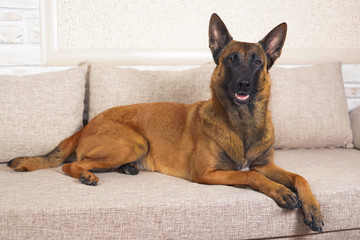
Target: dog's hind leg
(104, 151)
(53, 159)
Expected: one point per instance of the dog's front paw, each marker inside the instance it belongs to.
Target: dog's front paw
(312, 216)
(285, 198)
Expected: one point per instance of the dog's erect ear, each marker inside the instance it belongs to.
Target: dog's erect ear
(273, 43)
(219, 36)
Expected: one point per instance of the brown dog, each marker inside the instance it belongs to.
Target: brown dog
(207, 142)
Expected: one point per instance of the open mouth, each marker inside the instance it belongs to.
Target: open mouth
(241, 98)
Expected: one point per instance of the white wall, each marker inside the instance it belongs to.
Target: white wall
(156, 32)
(20, 44)
(164, 24)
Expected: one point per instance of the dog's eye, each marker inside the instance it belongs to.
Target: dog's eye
(230, 59)
(258, 63)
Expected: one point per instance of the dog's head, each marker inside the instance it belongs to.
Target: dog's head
(242, 68)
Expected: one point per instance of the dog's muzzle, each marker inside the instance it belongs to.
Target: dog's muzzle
(242, 95)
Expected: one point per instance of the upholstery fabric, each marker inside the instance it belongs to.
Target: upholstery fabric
(355, 125)
(38, 111)
(46, 204)
(112, 86)
(309, 107)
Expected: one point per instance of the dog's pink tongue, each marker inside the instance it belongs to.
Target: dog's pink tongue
(242, 97)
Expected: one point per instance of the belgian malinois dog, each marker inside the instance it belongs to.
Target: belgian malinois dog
(208, 142)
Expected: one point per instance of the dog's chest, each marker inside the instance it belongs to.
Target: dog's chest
(240, 157)
(226, 163)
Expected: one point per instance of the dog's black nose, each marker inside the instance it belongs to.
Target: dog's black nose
(244, 85)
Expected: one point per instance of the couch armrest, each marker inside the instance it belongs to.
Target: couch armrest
(355, 126)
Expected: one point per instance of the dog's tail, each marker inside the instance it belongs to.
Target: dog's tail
(52, 159)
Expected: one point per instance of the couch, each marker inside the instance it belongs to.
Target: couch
(315, 136)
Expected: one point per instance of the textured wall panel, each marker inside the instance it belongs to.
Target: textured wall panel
(163, 24)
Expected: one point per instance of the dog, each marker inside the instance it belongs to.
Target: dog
(227, 140)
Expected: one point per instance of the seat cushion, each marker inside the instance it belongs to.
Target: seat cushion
(48, 204)
(38, 111)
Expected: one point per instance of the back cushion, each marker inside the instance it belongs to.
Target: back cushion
(38, 111)
(308, 103)
(309, 107)
(355, 125)
(112, 86)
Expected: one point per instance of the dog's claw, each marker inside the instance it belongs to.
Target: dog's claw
(285, 198)
(316, 224)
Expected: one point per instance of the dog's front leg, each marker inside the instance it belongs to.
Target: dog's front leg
(283, 196)
(310, 206)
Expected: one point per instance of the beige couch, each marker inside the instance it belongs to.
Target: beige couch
(314, 137)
